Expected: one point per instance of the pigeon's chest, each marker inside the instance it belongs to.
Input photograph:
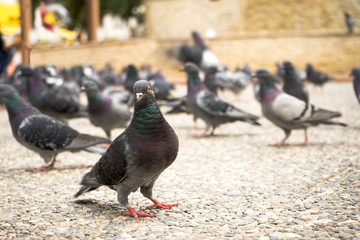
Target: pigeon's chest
(153, 154)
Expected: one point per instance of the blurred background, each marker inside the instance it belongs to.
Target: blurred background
(121, 32)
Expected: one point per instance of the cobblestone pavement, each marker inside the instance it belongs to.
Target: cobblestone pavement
(230, 186)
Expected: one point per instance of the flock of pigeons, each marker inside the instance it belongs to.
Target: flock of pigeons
(41, 100)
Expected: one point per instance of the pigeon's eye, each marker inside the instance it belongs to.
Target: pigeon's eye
(148, 89)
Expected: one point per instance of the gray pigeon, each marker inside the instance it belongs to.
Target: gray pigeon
(292, 84)
(59, 102)
(235, 81)
(207, 106)
(316, 77)
(137, 157)
(350, 22)
(107, 111)
(160, 85)
(41, 133)
(288, 112)
(198, 54)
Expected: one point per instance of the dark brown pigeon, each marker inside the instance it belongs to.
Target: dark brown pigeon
(137, 157)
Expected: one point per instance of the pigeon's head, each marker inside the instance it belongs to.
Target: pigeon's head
(287, 65)
(355, 73)
(265, 78)
(198, 40)
(89, 85)
(6, 90)
(131, 70)
(308, 67)
(190, 68)
(143, 92)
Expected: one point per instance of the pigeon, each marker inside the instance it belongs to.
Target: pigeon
(107, 111)
(207, 106)
(356, 82)
(59, 102)
(289, 112)
(350, 22)
(198, 54)
(131, 77)
(160, 85)
(235, 81)
(137, 157)
(41, 133)
(108, 76)
(292, 84)
(316, 77)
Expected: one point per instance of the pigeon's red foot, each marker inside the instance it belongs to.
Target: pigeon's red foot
(161, 205)
(41, 169)
(136, 214)
(106, 146)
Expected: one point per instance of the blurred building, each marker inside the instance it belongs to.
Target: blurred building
(174, 19)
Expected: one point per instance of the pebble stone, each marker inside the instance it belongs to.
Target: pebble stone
(230, 186)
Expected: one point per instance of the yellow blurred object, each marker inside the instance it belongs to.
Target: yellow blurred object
(68, 35)
(49, 18)
(10, 18)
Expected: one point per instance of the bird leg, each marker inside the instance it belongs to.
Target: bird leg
(146, 190)
(43, 168)
(205, 132)
(282, 143)
(161, 205)
(212, 131)
(106, 146)
(306, 141)
(135, 214)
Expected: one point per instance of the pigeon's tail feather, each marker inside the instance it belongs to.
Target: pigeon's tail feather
(95, 149)
(84, 189)
(89, 182)
(322, 115)
(252, 121)
(84, 140)
(332, 122)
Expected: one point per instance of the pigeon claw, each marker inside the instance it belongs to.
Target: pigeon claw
(40, 169)
(136, 214)
(161, 205)
(106, 146)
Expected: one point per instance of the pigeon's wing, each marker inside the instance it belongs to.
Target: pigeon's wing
(46, 133)
(290, 109)
(213, 105)
(222, 79)
(59, 99)
(111, 168)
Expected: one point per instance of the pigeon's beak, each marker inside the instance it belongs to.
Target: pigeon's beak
(139, 96)
(182, 69)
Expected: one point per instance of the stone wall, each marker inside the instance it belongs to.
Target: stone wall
(332, 54)
(174, 19)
